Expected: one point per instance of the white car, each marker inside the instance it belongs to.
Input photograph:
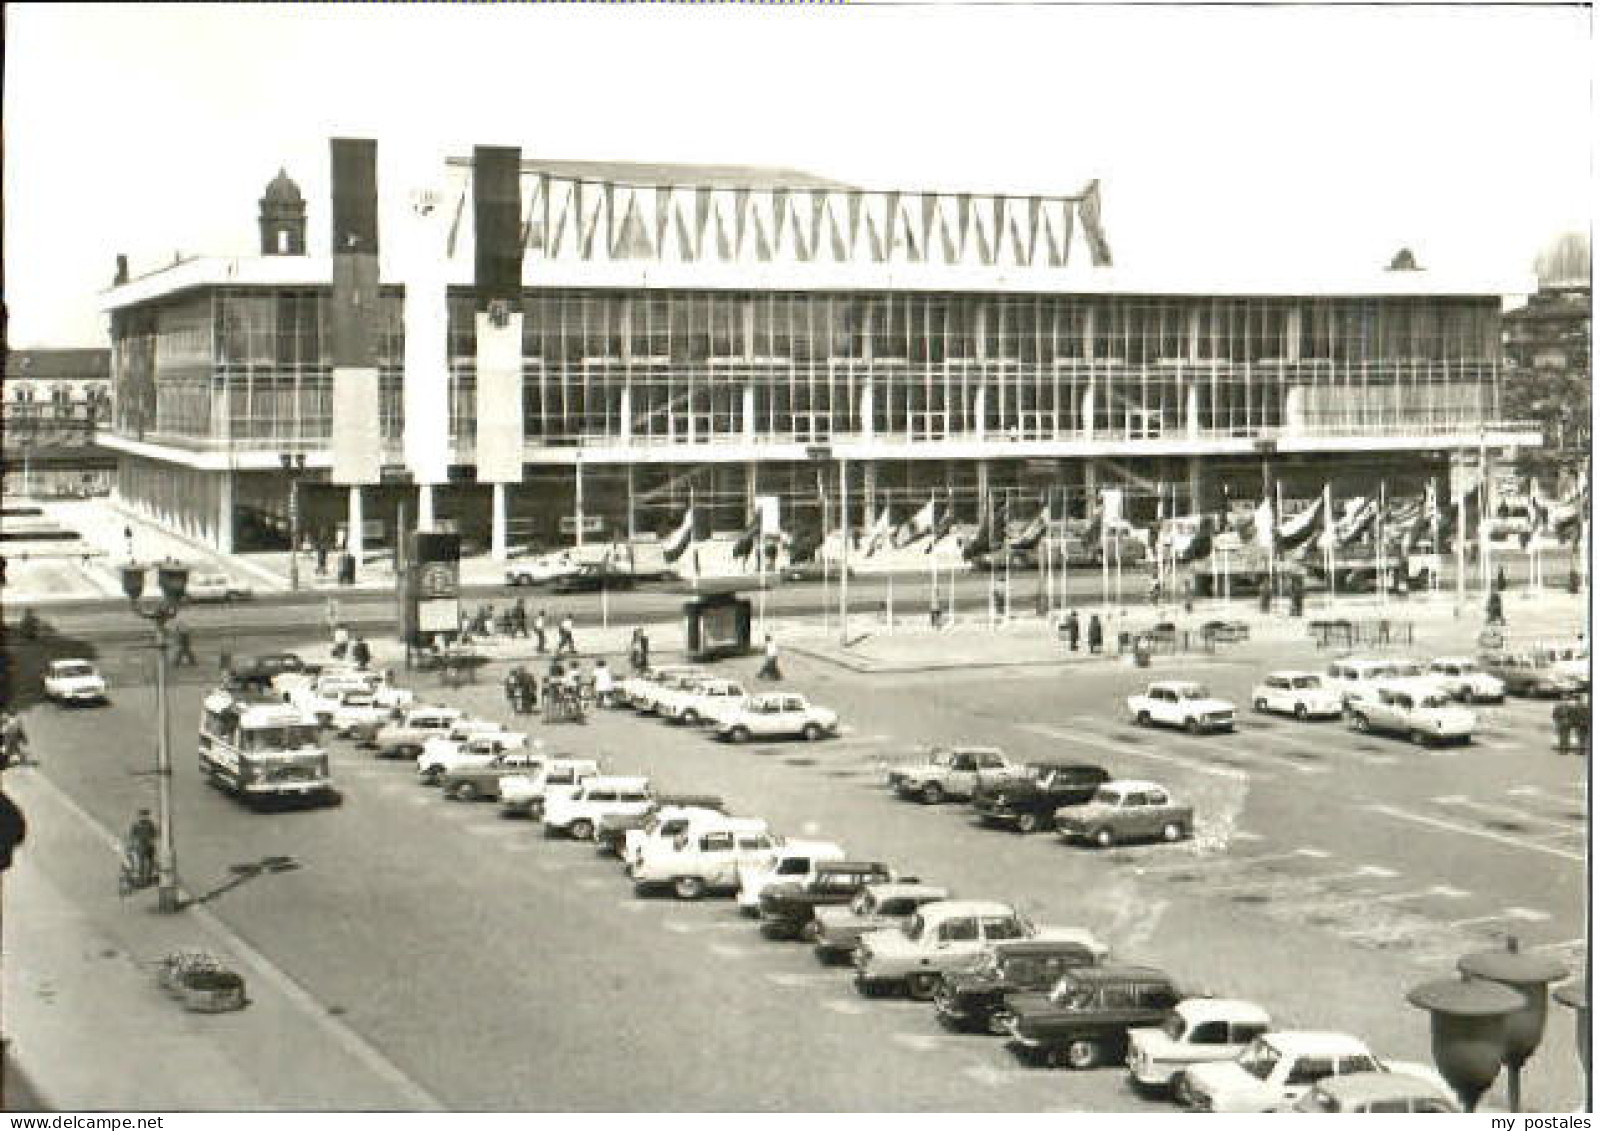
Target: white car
(411, 732)
(655, 698)
(444, 756)
(795, 862)
(710, 700)
(542, 569)
(666, 824)
(1411, 708)
(578, 814)
(636, 690)
(1179, 703)
(1462, 678)
(1352, 675)
(215, 587)
(1277, 1069)
(708, 861)
(944, 937)
(1301, 694)
(524, 795)
(777, 715)
(74, 681)
(1199, 1030)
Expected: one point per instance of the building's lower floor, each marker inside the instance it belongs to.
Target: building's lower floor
(556, 505)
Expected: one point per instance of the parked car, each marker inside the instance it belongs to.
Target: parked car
(215, 587)
(794, 860)
(1028, 802)
(974, 999)
(407, 735)
(1527, 674)
(666, 823)
(941, 938)
(877, 907)
(541, 570)
(1412, 708)
(577, 814)
(74, 681)
(636, 691)
(611, 834)
(788, 908)
(1126, 810)
(260, 671)
(1301, 694)
(1273, 1072)
(1353, 674)
(1179, 703)
(1199, 1030)
(1462, 678)
(952, 773)
(1226, 631)
(591, 577)
(480, 781)
(1571, 661)
(694, 866)
(1083, 1020)
(470, 742)
(711, 700)
(654, 695)
(524, 795)
(777, 715)
(1377, 1093)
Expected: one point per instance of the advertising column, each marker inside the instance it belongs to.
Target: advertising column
(427, 371)
(357, 440)
(497, 227)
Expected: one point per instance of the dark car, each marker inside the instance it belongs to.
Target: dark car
(972, 999)
(591, 577)
(1028, 803)
(788, 910)
(259, 671)
(1529, 674)
(613, 828)
(1085, 1017)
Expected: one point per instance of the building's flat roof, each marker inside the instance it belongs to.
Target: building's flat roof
(661, 173)
(58, 365)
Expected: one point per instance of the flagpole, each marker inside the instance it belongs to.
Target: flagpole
(1383, 528)
(1330, 532)
(1461, 552)
(844, 563)
(822, 496)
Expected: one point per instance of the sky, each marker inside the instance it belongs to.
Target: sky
(1302, 140)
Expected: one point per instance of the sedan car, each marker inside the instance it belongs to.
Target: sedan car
(1411, 708)
(1126, 810)
(1462, 678)
(74, 681)
(1377, 1093)
(1083, 1021)
(778, 715)
(1273, 1072)
(1029, 802)
(1199, 1030)
(835, 931)
(217, 587)
(1525, 673)
(591, 577)
(1301, 694)
(972, 999)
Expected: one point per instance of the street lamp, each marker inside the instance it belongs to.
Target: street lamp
(1529, 975)
(293, 466)
(1575, 996)
(172, 578)
(1469, 1031)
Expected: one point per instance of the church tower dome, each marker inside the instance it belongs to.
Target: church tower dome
(283, 218)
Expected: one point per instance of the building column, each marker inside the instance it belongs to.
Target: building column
(632, 530)
(577, 502)
(497, 522)
(750, 413)
(1191, 407)
(983, 484)
(1196, 483)
(1088, 410)
(425, 519)
(869, 490)
(356, 533)
(750, 486)
(866, 408)
(225, 512)
(625, 414)
(980, 403)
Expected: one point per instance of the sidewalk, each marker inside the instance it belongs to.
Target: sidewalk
(91, 1030)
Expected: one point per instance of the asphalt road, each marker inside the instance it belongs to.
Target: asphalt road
(503, 971)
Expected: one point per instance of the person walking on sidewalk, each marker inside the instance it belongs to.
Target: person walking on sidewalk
(341, 641)
(538, 631)
(185, 640)
(519, 619)
(13, 741)
(566, 645)
(769, 669)
(1096, 635)
(1072, 630)
(361, 653)
(142, 837)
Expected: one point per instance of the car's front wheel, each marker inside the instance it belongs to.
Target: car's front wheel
(582, 830)
(431, 775)
(1260, 706)
(466, 791)
(1361, 724)
(1191, 726)
(1081, 1055)
(1104, 838)
(1142, 718)
(1029, 823)
(921, 987)
(1172, 831)
(1421, 738)
(811, 732)
(688, 887)
(691, 717)
(739, 734)
(932, 793)
(1300, 711)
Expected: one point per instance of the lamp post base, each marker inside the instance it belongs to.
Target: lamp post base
(168, 901)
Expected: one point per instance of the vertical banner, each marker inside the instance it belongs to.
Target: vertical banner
(497, 276)
(427, 363)
(357, 441)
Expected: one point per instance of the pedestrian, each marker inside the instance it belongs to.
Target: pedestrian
(538, 631)
(13, 741)
(1500, 579)
(1155, 591)
(341, 641)
(1072, 630)
(1562, 716)
(769, 668)
(185, 648)
(565, 643)
(127, 536)
(935, 614)
(604, 685)
(519, 619)
(1496, 609)
(322, 557)
(142, 837)
(1096, 635)
(513, 682)
(360, 653)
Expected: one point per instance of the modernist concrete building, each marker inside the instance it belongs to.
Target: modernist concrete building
(711, 335)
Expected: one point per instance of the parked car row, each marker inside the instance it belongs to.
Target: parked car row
(1056, 994)
(694, 696)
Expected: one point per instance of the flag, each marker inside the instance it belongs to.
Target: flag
(917, 525)
(1262, 525)
(944, 521)
(879, 532)
(745, 546)
(804, 544)
(1299, 529)
(1358, 516)
(985, 540)
(1033, 533)
(1198, 547)
(678, 541)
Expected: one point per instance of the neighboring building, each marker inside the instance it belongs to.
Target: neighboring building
(1548, 370)
(711, 335)
(52, 404)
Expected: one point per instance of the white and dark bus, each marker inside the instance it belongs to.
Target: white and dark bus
(261, 748)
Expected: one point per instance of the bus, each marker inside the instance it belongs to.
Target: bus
(259, 748)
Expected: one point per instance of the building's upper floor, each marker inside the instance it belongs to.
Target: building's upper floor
(56, 384)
